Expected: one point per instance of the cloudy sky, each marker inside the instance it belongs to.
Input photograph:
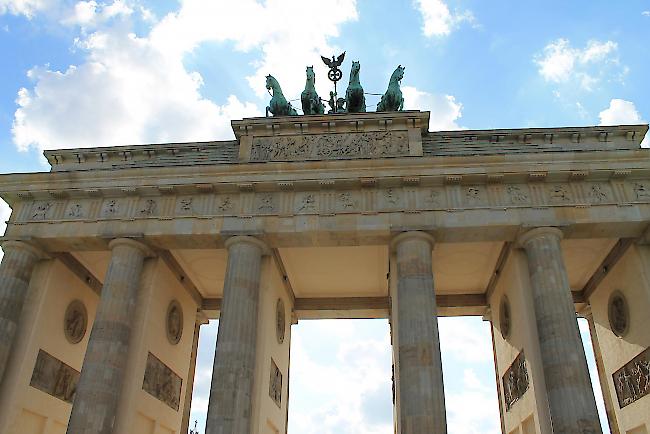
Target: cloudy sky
(93, 73)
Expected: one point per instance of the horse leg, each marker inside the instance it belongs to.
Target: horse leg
(268, 109)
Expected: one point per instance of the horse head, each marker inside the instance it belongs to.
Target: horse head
(311, 76)
(398, 74)
(272, 83)
(354, 72)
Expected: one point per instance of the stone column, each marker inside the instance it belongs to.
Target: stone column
(421, 399)
(231, 392)
(571, 398)
(98, 392)
(15, 272)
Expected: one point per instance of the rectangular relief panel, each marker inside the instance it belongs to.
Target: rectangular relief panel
(275, 384)
(515, 381)
(162, 383)
(375, 144)
(632, 381)
(54, 377)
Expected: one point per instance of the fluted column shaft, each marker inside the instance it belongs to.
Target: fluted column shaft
(571, 397)
(421, 391)
(98, 391)
(231, 392)
(15, 273)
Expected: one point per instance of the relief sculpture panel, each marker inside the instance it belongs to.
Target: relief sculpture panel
(162, 383)
(377, 144)
(54, 377)
(515, 381)
(632, 381)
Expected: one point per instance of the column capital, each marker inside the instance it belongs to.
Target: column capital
(250, 240)
(524, 238)
(148, 253)
(411, 235)
(24, 245)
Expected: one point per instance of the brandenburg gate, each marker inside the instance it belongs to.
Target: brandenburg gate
(115, 258)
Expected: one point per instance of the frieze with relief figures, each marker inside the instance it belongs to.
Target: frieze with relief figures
(632, 381)
(328, 201)
(330, 146)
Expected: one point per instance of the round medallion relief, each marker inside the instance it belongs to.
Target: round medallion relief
(280, 321)
(174, 323)
(618, 313)
(75, 321)
(505, 319)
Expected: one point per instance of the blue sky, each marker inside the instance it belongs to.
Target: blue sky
(93, 73)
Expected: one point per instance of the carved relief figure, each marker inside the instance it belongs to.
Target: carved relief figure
(174, 322)
(559, 193)
(40, 213)
(75, 210)
(346, 201)
(641, 191)
(54, 377)
(75, 321)
(618, 314)
(308, 203)
(515, 381)
(391, 196)
(632, 381)
(64, 388)
(226, 204)
(111, 208)
(472, 195)
(516, 194)
(596, 194)
(266, 203)
(275, 384)
(149, 207)
(330, 146)
(433, 198)
(186, 204)
(161, 382)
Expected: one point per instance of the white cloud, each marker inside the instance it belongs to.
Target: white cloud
(276, 27)
(445, 110)
(127, 92)
(562, 63)
(27, 8)
(5, 212)
(134, 89)
(482, 400)
(645, 13)
(438, 19)
(622, 112)
(89, 14)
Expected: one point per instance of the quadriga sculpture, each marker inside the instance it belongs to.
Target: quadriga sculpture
(356, 100)
(278, 106)
(393, 100)
(311, 103)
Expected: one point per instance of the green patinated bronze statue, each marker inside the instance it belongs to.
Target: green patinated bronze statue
(278, 106)
(393, 100)
(311, 103)
(355, 99)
